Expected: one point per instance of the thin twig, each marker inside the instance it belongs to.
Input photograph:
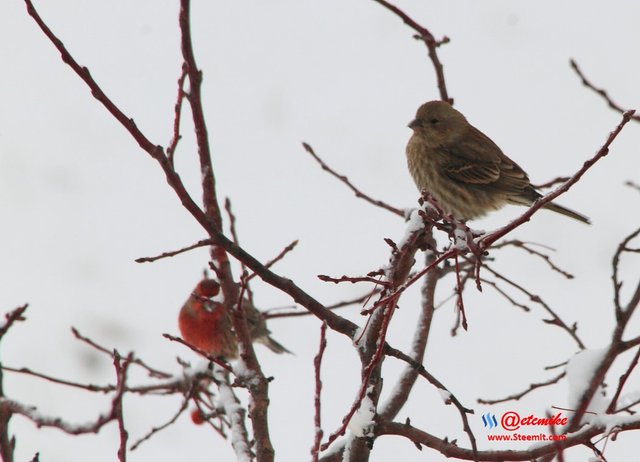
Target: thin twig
(173, 253)
(556, 320)
(429, 40)
(600, 91)
(66, 383)
(152, 372)
(617, 284)
(12, 317)
(462, 410)
(550, 183)
(352, 279)
(525, 246)
(177, 112)
(488, 239)
(317, 363)
(121, 384)
(517, 396)
(400, 392)
(277, 258)
(345, 180)
(203, 353)
(361, 299)
(154, 430)
(622, 381)
(236, 240)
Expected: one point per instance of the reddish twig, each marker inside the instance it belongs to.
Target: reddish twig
(152, 372)
(555, 320)
(155, 151)
(550, 183)
(121, 385)
(258, 387)
(173, 253)
(600, 91)
(628, 407)
(350, 185)
(183, 406)
(202, 353)
(505, 295)
(400, 392)
(452, 252)
(12, 317)
(616, 347)
(236, 240)
(622, 381)
(487, 240)
(317, 362)
(194, 76)
(277, 258)
(525, 246)
(559, 448)
(366, 374)
(452, 399)
(352, 279)
(114, 413)
(517, 396)
(287, 286)
(7, 440)
(232, 221)
(617, 284)
(177, 112)
(429, 40)
(361, 299)
(66, 383)
(459, 289)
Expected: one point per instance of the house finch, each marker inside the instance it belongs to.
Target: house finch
(463, 169)
(205, 323)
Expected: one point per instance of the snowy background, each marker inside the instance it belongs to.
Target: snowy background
(79, 200)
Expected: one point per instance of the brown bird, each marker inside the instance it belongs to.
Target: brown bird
(463, 169)
(205, 323)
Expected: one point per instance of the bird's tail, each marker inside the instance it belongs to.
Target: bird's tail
(567, 212)
(272, 344)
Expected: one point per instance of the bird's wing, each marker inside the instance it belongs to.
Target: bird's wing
(477, 160)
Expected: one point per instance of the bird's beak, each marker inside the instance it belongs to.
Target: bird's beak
(413, 124)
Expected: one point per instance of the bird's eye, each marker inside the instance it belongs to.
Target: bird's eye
(434, 121)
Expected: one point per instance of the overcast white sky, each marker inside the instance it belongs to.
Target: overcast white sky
(80, 201)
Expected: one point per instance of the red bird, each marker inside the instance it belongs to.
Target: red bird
(205, 323)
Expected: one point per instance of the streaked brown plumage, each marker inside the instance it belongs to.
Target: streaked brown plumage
(463, 169)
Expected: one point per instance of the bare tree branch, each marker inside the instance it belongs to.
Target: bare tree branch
(431, 43)
(317, 362)
(345, 180)
(600, 91)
